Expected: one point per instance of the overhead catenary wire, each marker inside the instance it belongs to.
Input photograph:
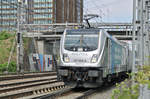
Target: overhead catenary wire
(96, 7)
(87, 11)
(104, 6)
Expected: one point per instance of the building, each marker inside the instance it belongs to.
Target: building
(8, 14)
(70, 11)
(39, 12)
(55, 11)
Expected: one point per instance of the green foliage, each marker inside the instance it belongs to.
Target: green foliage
(11, 67)
(6, 44)
(126, 91)
(3, 67)
(123, 91)
(149, 85)
(5, 35)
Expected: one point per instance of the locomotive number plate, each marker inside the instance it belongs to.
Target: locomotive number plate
(80, 60)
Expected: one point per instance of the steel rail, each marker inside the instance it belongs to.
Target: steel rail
(24, 81)
(23, 76)
(87, 93)
(28, 85)
(14, 73)
(30, 91)
(52, 94)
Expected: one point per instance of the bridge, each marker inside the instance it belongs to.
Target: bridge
(122, 31)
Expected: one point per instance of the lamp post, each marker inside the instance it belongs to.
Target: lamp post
(133, 34)
(19, 40)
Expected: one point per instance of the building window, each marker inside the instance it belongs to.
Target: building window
(43, 0)
(42, 21)
(43, 10)
(38, 5)
(43, 15)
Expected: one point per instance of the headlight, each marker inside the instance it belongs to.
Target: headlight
(65, 58)
(94, 58)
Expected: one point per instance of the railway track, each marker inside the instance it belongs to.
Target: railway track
(66, 93)
(31, 91)
(15, 86)
(80, 93)
(25, 75)
(43, 87)
(25, 83)
(51, 94)
(85, 93)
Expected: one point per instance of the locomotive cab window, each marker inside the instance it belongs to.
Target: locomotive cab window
(81, 42)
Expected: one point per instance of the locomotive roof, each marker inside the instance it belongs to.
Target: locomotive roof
(113, 38)
(83, 31)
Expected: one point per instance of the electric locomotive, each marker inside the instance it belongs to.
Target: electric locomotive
(89, 57)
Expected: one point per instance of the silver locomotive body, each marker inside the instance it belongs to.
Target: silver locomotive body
(88, 57)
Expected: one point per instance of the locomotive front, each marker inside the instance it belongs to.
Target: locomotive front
(79, 58)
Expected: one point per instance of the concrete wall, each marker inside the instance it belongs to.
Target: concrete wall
(40, 45)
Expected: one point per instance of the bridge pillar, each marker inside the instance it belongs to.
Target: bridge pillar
(40, 45)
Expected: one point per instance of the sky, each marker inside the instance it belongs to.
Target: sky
(110, 10)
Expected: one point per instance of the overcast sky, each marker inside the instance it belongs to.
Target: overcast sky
(110, 10)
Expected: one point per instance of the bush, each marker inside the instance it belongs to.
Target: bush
(124, 91)
(11, 67)
(4, 35)
(3, 67)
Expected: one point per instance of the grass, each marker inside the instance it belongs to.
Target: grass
(6, 43)
(5, 48)
(5, 35)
